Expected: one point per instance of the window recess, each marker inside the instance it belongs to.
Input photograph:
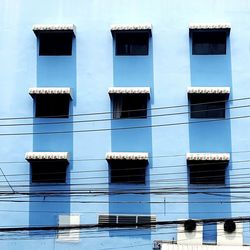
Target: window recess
(127, 168)
(55, 40)
(131, 39)
(209, 39)
(207, 168)
(51, 102)
(48, 167)
(131, 221)
(129, 102)
(208, 102)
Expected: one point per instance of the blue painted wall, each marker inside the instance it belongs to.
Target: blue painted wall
(168, 71)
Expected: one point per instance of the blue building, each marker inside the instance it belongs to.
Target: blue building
(124, 124)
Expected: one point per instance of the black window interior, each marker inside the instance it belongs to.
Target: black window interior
(124, 220)
(132, 43)
(55, 43)
(209, 42)
(127, 220)
(207, 172)
(144, 220)
(52, 105)
(47, 171)
(104, 219)
(128, 171)
(130, 106)
(208, 105)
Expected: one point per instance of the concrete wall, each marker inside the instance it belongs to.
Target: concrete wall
(168, 70)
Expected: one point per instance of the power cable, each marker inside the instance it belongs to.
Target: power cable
(140, 175)
(115, 119)
(123, 128)
(110, 112)
(121, 225)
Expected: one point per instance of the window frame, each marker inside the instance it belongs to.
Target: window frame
(130, 108)
(137, 175)
(127, 41)
(62, 167)
(207, 106)
(58, 102)
(55, 43)
(215, 45)
(152, 219)
(210, 168)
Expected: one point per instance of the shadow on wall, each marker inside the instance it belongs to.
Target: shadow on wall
(211, 137)
(53, 71)
(132, 71)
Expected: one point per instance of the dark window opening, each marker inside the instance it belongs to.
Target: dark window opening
(127, 221)
(52, 105)
(55, 43)
(209, 42)
(146, 220)
(132, 43)
(128, 171)
(49, 171)
(130, 106)
(208, 105)
(207, 172)
(107, 220)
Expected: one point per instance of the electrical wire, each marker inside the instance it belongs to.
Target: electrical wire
(96, 212)
(121, 225)
(166, 180)
(128, 230)
(124, 202)
(116, 119)
(123, 128)
(107, 170)
(142, 175)
(110, 112)
(82, 231)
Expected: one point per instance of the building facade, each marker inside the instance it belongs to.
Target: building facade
(118, 113)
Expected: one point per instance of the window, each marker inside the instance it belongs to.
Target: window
(207, 172)
(54, 40)
(55, 44)
(209, 43)
(51, 102)
(126, 220)
(129, 106)
(129, 102)
(136, 221)
(207, 106)
(144, 220)
(49, 171)
(209, 39)
(207, 168)
(52, 106)
(208, 102)
(131, 40)
(129, 44)
(127, 171)
(127, 168)
(48, 167)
